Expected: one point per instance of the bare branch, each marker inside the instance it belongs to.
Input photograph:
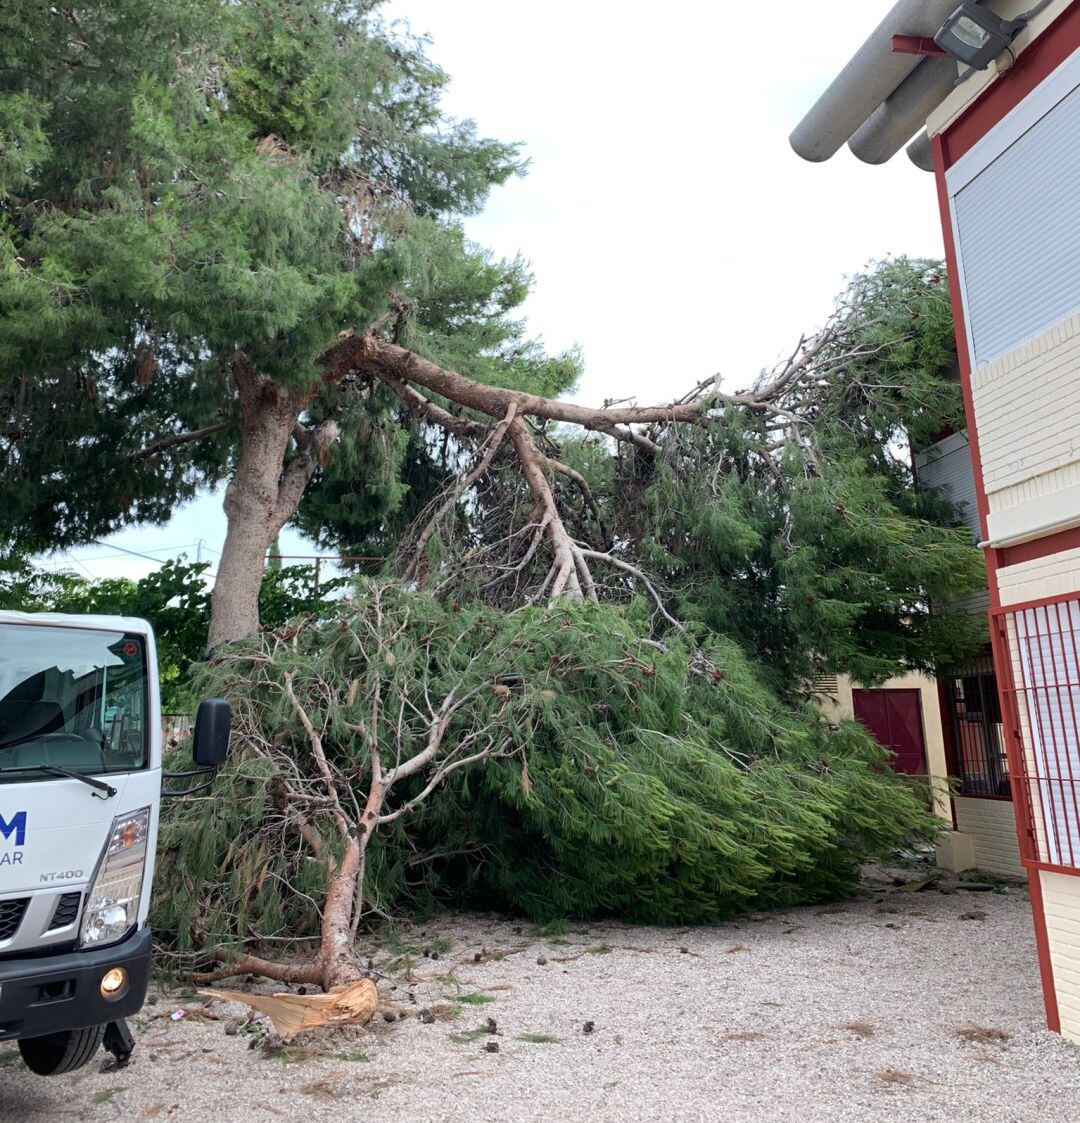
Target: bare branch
(463, 485)
(180, 439)
(440, 775)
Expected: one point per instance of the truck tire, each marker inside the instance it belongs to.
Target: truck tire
(57, 1053)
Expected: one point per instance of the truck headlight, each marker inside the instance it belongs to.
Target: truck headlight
(112, 905)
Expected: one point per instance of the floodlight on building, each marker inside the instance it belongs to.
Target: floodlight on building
(975, 36)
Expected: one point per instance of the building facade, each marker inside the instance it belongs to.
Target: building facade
(1004, 146)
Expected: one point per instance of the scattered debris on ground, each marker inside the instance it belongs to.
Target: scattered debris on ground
(982, 1035)
(821, 1014)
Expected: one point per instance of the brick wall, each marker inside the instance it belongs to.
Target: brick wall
(1027, 409)
(1061, 902)
(992, 825)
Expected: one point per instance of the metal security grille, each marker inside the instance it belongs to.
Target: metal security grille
(67, 910)
(1043, 697)
(11, 914)
(979, 761)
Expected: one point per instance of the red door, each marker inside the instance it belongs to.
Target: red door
(894, 717)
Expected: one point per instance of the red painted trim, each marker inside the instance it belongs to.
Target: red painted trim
(1049, 867)
(1034, 64)
(1022, 815)
(1037, 602)
(916, 45)
(1040, 547)
(1042, 947)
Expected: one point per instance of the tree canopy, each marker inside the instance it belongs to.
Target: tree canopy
(230, 250)
(196, 199)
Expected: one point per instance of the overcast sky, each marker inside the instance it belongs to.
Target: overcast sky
(671, 230)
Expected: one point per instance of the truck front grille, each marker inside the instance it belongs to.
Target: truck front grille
(67, 909)
(11, 914)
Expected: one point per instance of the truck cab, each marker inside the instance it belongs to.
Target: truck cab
(80, 793)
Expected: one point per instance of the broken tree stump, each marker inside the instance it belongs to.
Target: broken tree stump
(297, 1013)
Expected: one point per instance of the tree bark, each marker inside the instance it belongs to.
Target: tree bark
(262, 495)
(340, 964)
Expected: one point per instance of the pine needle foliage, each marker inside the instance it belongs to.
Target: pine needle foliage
(661, 783)
(183, 181)
(824, 556)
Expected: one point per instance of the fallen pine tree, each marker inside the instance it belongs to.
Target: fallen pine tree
(550, 761)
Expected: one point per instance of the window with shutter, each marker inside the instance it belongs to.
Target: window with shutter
(1014, 202)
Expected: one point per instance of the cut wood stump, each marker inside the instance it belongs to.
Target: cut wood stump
(298, 1013)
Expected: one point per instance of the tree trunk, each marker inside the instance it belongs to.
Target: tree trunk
(262, 495)
(337, 949)
(251, 507)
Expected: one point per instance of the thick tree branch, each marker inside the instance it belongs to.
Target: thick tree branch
(313, 447)
(382, 359)
(244, 964)
(571, 571)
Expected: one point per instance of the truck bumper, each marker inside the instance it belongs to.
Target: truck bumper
(47, 994)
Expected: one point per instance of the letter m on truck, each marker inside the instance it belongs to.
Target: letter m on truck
(16, 827)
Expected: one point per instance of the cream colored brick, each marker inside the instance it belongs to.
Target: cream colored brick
(1061, 905)
(1027, 410)
(992, 825)
(1052, 576)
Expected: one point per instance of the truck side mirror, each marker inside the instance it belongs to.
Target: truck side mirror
(210, 743)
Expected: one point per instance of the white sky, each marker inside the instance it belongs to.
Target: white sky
(672, 231)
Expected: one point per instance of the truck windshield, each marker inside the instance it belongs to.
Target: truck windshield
(72, 698)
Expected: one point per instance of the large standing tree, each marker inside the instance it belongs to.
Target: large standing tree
(197, 200)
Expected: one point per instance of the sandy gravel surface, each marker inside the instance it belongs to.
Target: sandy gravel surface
(891, 1007)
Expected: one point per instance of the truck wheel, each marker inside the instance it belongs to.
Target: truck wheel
(57, 1053)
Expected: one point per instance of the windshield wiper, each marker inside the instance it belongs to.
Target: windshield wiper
(53, 770)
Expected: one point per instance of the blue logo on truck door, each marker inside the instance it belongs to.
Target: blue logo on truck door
(17, 827)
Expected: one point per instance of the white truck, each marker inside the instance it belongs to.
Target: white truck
(80, 791)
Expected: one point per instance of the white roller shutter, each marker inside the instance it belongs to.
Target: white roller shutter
(1016, 208)
(946, 467)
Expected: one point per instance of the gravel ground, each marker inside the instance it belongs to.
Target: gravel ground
(896, 1006)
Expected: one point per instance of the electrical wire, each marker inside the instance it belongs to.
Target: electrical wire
(125, 550)
(156, 550)
(71, 557)
(1031, 13)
